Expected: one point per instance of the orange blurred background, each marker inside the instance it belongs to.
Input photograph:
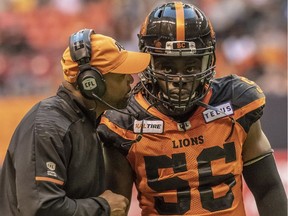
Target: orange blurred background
(251, 41)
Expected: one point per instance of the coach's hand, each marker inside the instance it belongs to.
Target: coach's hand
(118, 203)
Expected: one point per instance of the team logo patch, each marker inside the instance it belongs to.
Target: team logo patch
(219, 112)
(51, 168)
(148, 126)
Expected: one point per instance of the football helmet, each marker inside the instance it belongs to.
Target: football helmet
(176, 30)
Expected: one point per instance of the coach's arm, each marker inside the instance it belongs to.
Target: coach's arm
(119, 175)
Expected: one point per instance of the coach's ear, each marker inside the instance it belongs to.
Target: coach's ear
(118, 173)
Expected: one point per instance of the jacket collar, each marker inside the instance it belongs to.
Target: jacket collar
(78, 106)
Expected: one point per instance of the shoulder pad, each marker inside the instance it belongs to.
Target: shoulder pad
(240, 91)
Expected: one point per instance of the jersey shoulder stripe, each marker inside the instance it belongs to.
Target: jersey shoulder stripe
(245, 96)
(240, 91)
(116, 128)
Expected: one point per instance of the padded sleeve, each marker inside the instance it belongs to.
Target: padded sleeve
(264, 182)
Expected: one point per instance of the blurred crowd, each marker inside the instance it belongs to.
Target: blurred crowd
(251, 38)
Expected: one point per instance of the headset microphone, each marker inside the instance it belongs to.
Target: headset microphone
(112, 107)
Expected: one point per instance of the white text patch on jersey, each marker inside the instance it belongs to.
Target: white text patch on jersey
(148, 126)
(220, 111)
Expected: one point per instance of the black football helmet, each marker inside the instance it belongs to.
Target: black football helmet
(182, 30)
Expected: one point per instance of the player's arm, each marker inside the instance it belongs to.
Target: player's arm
(261, 174)
(119, 175)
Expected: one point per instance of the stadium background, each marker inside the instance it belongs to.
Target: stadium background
(251, 41)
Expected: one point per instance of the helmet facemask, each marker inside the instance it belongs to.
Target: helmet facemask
(178, 91)
(193, 39)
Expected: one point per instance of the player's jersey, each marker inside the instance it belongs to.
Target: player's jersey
(192, 167)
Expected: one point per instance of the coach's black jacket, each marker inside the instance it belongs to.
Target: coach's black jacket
(54, 164)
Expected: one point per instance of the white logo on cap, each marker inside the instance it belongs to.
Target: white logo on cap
(120, 47)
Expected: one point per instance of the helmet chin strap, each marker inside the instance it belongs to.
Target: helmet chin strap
(159, 100)
(165, 106)
(179, 115)
(177, 102)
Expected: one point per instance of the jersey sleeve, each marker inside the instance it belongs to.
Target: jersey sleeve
(250, 97)
(115, 130)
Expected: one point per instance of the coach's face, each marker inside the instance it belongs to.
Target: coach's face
(117, 89)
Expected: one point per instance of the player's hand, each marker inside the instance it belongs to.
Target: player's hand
(118, 203)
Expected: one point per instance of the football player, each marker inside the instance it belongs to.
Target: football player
(189, 137)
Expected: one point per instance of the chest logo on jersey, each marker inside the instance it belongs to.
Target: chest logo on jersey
(148, 126)
(184, 126)
(220, 112)
(188, 142)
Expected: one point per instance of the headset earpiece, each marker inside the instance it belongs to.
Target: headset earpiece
(89, 80)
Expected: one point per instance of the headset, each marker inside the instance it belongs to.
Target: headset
(90, 81)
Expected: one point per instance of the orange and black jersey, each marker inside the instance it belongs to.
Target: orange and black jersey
(193, 167)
